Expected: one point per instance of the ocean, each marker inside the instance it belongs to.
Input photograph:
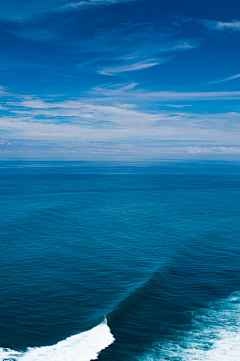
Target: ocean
(120, 261)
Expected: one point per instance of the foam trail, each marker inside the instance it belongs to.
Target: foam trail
(82, 347)
(216, 336)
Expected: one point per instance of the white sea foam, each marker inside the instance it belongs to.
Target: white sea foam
(82, 347)
(215, 336)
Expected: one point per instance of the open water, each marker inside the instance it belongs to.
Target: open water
(119, 261)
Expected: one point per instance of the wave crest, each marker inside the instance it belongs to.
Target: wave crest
(85, 346)
(215, 336)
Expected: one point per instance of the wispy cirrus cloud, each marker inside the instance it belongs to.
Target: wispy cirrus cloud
(80, 112)
(76, 150)
(148, 63)
(220, 25)
(118, 120)
(180, 126)
(171, 95)
(20, 11)
(3, 91)
(123, 49)
(178, 105)
(133, 92)
(222, 80)
(143, 47)
(85, 120)
(216, 25)
(89, 3)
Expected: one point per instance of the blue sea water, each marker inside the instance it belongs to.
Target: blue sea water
(120, 261)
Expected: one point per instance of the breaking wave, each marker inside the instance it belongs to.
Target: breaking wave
(85, 346)
(215, 336)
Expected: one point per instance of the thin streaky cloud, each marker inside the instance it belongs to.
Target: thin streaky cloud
(234, 25)
(133, 67)
(197, 95)
(84, 4)
(127, 125)
(141, 49)
(215, 25)
(3, 91)
(132, 93)
(177, 105)
(224, 79)
(20, 12)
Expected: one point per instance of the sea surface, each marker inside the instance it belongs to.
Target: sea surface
(120, 261)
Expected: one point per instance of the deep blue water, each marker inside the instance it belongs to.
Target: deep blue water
(154, 249)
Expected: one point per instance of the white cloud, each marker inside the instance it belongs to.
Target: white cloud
(94, 115)
(85, 121)
(22, 11)
(130, 48)
(124, 115)
(222, 80)
(177, 105)
(195, 95)
(211, 150)
(3, 91)
(233, 25)
(134, 66)
(132, 93)
(84, 150)
(215, 25)
(89, 3)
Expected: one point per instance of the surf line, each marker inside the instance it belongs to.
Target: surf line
(84, 346)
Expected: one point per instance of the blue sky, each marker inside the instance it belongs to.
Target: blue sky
(114, 79)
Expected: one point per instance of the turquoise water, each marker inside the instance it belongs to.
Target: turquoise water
(120, 261)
